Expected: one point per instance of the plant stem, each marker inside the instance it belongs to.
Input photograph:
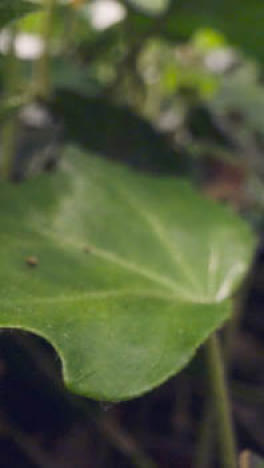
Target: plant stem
(10, 87)
(125, 443)
(244, 461)
(221, 402)
(206, 434)
(42, 85)
(203, 455)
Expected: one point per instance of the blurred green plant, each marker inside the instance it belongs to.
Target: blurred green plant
(125, 274)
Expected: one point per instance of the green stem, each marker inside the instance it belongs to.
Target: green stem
(10, 87)
(42, 86)
(203, 454)
(126, 444)
(206, 435)
(221, 402)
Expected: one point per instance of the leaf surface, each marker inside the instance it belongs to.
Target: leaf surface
(131, 273)
(14, 9)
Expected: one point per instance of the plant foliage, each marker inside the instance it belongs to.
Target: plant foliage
(125, 274)
(12, 10)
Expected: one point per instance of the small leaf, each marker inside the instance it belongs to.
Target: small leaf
(132, 273)
(14, 9)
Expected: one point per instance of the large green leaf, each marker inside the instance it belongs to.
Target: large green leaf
(133, 272)
(13, 9)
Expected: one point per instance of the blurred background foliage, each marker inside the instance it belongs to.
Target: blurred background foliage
(166, 86)
(189, 73)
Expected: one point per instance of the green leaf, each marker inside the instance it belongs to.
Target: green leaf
(14, 9)
(241, 22)
(132, 272)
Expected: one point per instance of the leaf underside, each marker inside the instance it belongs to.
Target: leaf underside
(131, 273)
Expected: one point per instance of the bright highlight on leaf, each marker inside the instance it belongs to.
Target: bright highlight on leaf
(125, 274)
